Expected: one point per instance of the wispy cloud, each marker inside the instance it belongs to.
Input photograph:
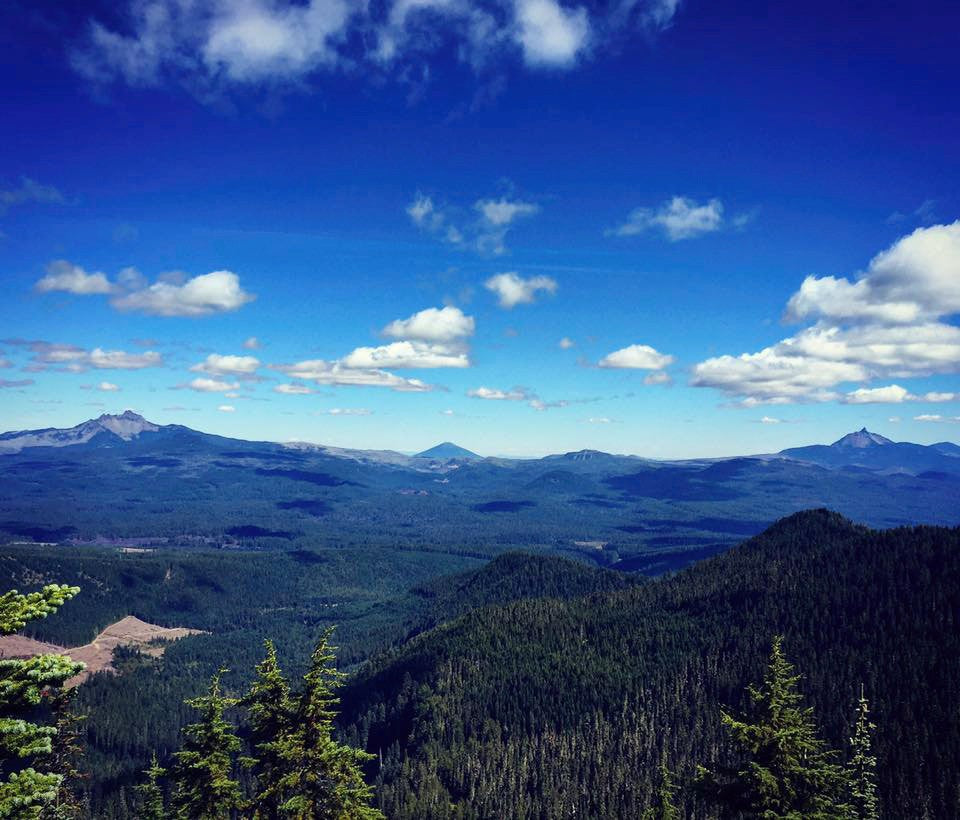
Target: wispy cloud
(678, 218)
(211, 47)
(29, 191)
(73, 359)
(512, 289)
(483, 228)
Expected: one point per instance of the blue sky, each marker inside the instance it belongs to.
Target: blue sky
(528, 226)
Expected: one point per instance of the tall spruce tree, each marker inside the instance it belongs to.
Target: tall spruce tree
(787, 771)
(324, 781)
(150, 805)
(25, 684)
(862, 766)
(204, 788)
(66, 758)
(272, 714)
(665, 807)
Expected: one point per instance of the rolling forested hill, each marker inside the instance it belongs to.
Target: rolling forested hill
(549, 708)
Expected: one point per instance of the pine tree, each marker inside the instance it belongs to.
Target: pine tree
(204, 788)
(24, 685)
(666, 807)
(788, 772)
(862, 767)
(65, 759)
(325, 781)
(272, 712)
(150, 804)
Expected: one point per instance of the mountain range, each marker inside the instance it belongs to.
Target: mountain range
(121, 479)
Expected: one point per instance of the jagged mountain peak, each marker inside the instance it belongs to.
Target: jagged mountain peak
(862, 438)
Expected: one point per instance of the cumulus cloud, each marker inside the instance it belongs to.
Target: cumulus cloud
(550, 34)
(887, 323)
(227, 408)
(513, 290)
(678, 218)
(445, 324)
(64, 276)
(916, 279)
(29, 190)
(216, 292)
(937, 418)
(406, 355)
(251, 343)
(566, 343)
(173, 294)
(205, 385)
(213, 46)
(637, 357)
(108, 387)
(217, 365)
(334, 373)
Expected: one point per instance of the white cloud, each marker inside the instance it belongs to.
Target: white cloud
(447, 413)
(551, 35)
(173, 294)
(500, 212)
(886, 324)
(349, 411)
(679, 218)
(433, 325)
(216, 292)
(213, 46)
(108, 387)
(64, 276)
(204, 385)
(939, 397)
(599, 420)
(493, 394)
(484, 232)
(217, 365)
(73, 359)
(938, 419)
(566, 343)
(513, 290)
(227, 408)
(914, 280)
(891, 394)
(638, 357)
(29, 191)
(323, 372)
(251, 343)
(658, 377)
(769, 420)
(406, 355)
(293, 389)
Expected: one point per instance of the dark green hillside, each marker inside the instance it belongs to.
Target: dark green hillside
(241, 598)
(548, 708)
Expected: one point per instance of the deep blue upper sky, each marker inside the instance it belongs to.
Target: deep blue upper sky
(664, 228)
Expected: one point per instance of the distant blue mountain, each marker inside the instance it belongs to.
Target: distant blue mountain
(447, 450)
(874, 452)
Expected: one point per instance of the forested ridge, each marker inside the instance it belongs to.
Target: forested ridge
(535, 686)
(547, 708)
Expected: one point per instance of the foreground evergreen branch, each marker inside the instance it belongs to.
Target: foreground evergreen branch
(25, 684)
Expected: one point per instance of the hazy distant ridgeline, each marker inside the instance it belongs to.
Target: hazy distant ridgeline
(121, 480)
